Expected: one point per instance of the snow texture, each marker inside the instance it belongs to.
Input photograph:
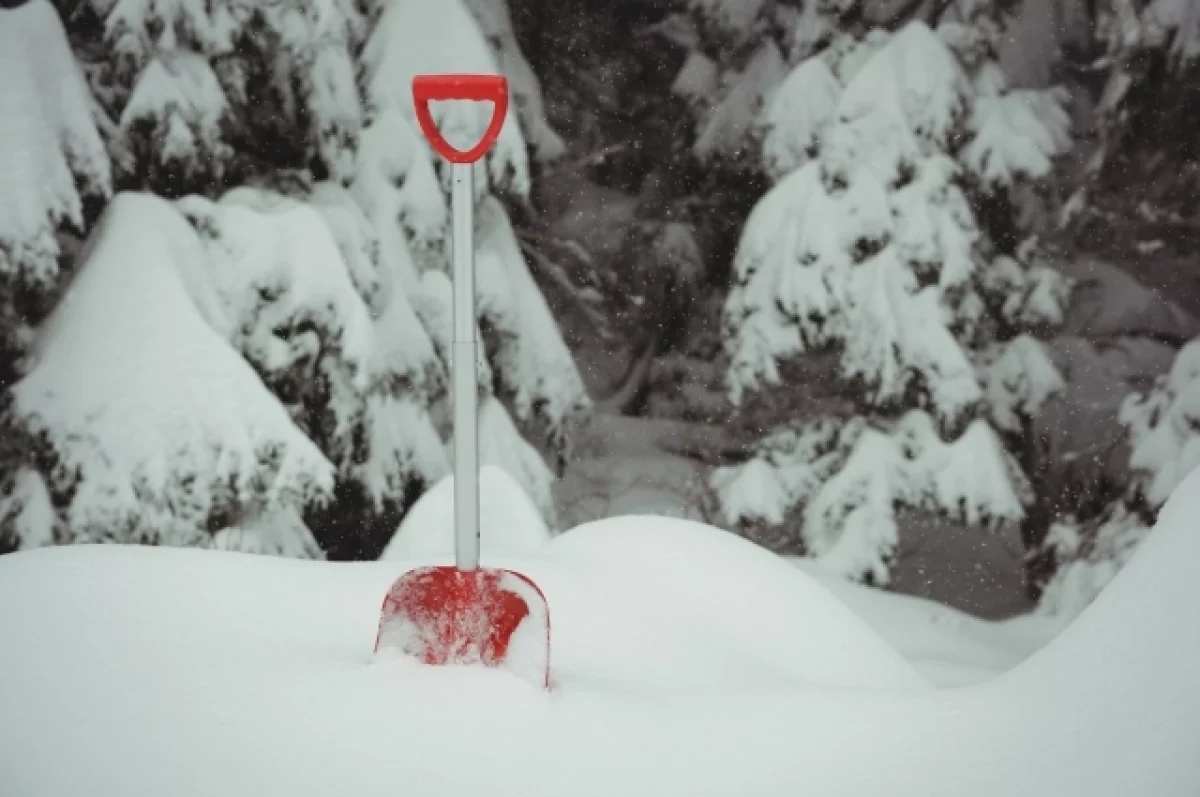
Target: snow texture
(800, 111)
(296, 310)
(948, 647)
(165, 50)
(409, 631)
(156, 420)
(27, 513)
(1017, 134)
(735, 16)
(398, 190)
(703, 665)
(315, 43)
(510, 525)
(496, 23)
(136, 29)
(533, 361)
(698, 78)
(1019, 377)
(336, 299)
(727, 127)
(501, 444)
(435, 36)
(177, 106)
(1164, 449)
(51, 149)
(867, 245)
(278, 532)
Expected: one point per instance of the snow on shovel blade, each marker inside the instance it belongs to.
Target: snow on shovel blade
(489, 617)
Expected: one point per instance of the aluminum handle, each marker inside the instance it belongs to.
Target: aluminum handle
(463, 364)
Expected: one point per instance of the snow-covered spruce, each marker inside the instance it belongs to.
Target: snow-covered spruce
(357, 378)
(347, 379)
(179, 76)
(496, 24)
(185, 79)
(157, 425)
(431, 36)
(50, 154)
(1164, 437)
(868, 245)
(739, 54)
(333, 304)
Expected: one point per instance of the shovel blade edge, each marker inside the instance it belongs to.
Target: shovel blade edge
(486, 617)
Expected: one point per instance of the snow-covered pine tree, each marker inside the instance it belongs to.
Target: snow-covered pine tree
(52, 161)
(1150, 53)
(868, 245)
(739, 51)
(1164, 437)
(226, 368)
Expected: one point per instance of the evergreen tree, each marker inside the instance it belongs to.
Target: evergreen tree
(869, 245)
(1164, 437)
(256, 335)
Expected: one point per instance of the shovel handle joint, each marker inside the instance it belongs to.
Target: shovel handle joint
(483, 88)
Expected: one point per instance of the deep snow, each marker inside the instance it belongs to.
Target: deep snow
(509, 522)
(688, 662)
(947, 646)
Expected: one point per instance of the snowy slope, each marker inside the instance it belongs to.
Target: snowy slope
(948, 647)
(688, 663)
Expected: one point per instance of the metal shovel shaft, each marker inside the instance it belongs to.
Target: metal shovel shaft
(463, 356)
(466, 614)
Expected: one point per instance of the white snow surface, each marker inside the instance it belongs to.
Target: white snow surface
(686, 661)
(509, 522)
(948, 647)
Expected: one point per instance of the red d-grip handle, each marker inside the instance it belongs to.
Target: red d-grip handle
(460, 87)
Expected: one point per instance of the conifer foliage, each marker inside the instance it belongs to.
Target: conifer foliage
(869, 245)
(1164, 438)
(255, 338)
(51, 161)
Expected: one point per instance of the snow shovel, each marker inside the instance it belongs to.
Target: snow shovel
(466, 614)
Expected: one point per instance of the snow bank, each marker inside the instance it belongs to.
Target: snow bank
(689, 663)
(509, 523)
(948, 647)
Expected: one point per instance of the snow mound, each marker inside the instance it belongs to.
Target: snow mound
(707, 596)
(705, 666)
(510, 523)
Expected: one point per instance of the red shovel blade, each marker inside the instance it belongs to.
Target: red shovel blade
(443, 615)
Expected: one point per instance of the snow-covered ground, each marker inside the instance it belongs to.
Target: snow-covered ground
(686, 660)
(948, 647)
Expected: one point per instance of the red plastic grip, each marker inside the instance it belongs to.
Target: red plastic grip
(460, 87)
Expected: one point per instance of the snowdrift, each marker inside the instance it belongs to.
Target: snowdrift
(509, 522)
(948, 647)
(688, 663)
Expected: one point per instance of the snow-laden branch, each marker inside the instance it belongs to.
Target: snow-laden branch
(868, 246)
